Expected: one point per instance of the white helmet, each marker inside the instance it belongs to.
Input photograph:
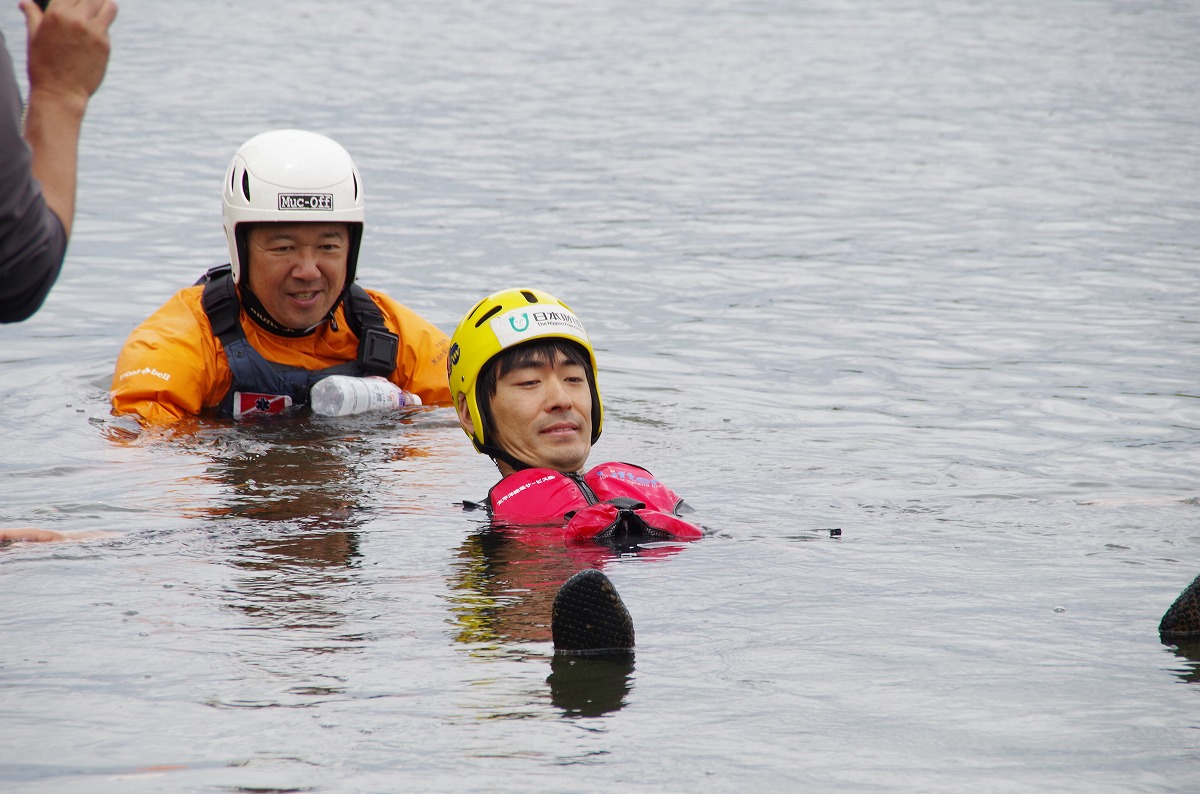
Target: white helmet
(292, 176)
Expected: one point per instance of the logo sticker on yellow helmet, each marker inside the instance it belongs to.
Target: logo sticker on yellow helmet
(513, 327)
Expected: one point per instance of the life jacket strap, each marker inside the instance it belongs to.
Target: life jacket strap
(220, 303)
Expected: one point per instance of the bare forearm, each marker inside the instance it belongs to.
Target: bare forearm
(67, 57)
(52, 127)
(32, 535)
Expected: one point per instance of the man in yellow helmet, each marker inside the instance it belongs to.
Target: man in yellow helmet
(523, 380)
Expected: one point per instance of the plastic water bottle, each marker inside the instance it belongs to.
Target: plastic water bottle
(342, 395)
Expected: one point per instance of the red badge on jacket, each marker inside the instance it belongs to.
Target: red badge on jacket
(247, 403)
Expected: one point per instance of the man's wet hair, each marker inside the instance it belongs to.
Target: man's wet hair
(536, 353)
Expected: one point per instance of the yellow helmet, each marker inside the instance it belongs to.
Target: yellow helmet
(504, 320)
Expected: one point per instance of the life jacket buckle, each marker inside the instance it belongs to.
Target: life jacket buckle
(625, 503)
(377, 351)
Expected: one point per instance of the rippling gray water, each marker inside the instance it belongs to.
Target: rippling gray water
(924, 272)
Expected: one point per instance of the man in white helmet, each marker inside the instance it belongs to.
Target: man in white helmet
(256, 334)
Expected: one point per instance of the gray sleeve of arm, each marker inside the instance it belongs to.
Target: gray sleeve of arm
(32, 239)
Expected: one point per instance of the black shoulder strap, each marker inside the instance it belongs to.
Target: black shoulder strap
(213, 273)
(220, 303)
(378, 347)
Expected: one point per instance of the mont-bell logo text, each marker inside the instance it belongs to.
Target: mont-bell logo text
(322, 202)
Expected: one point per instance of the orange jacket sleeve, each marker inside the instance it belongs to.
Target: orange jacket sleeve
(171, 365)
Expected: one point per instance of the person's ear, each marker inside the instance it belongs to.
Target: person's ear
(464, 414)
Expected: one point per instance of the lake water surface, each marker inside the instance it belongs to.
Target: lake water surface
(924, 272)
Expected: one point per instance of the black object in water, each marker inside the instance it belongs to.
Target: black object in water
(1182, 619)
(589, 617)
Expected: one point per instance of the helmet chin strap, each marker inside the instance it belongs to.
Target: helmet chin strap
(254, 307)
(497, 454)
(258, 312)
(493, 451)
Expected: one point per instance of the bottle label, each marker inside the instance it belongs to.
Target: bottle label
(371, 394)
(343, 395)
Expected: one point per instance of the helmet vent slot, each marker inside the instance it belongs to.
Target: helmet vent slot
(492, 312)
(529, 296)
(246, 184)
(356, 187)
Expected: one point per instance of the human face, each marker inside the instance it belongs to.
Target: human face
(542, 415)
(297, 270)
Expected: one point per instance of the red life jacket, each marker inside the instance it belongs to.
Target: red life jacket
(612, 502)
